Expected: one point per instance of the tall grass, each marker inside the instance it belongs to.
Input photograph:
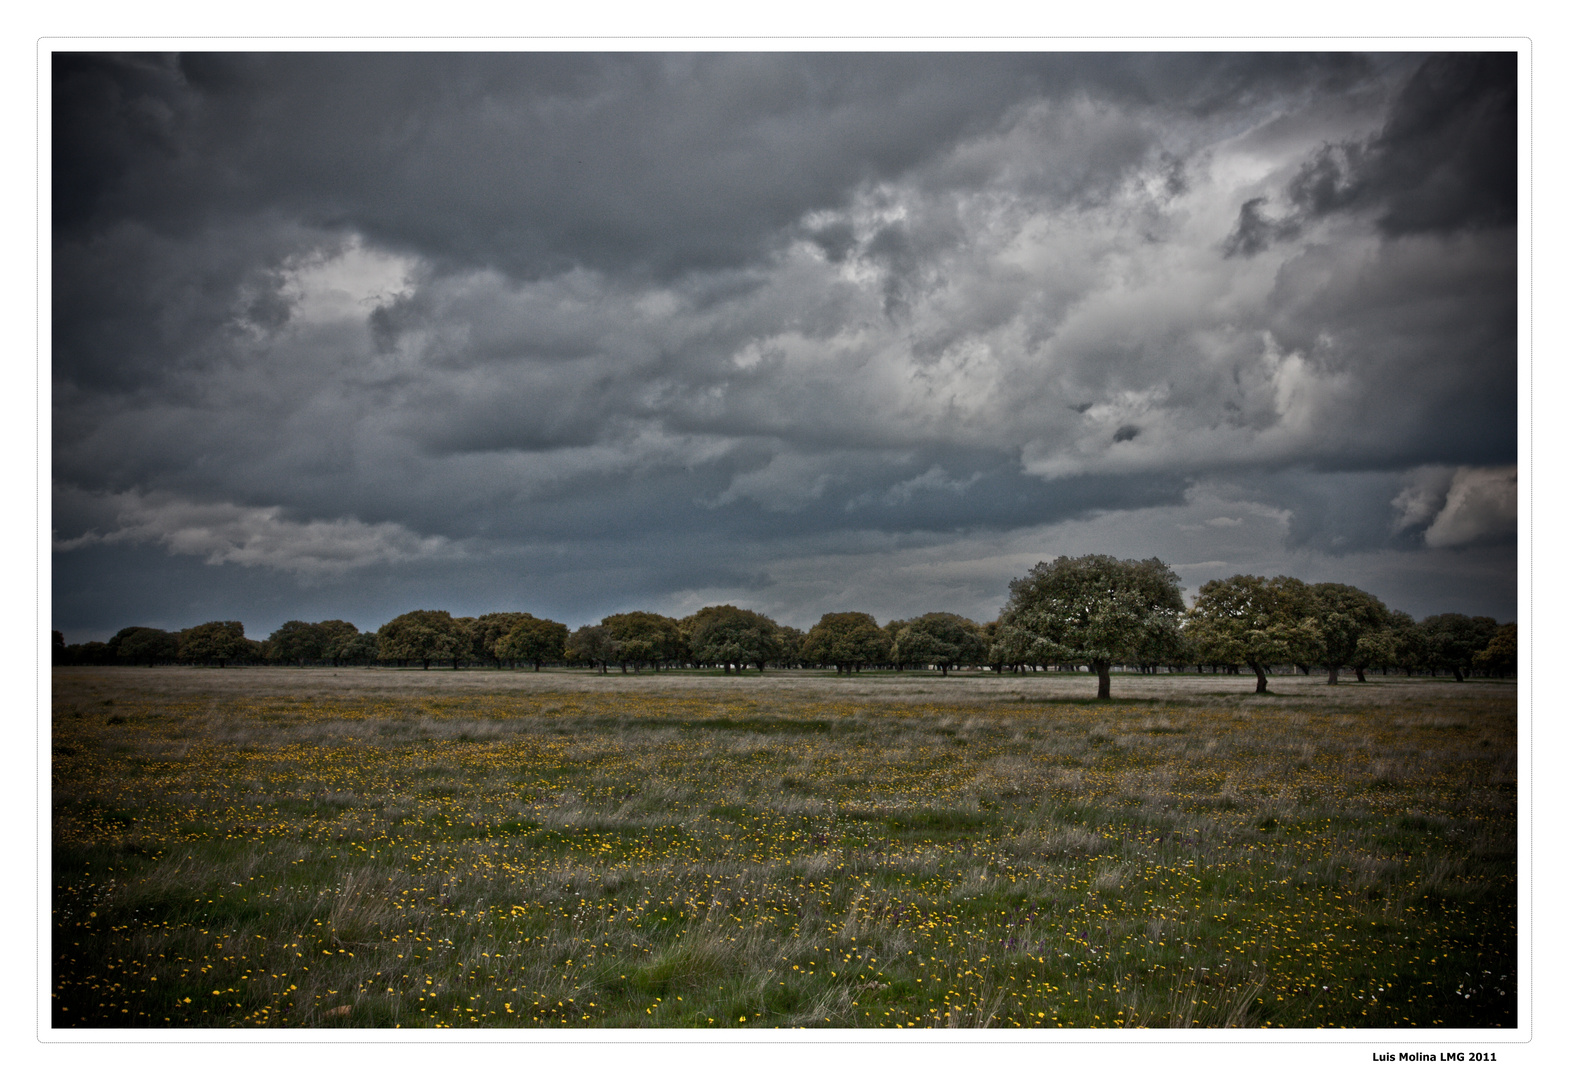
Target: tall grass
(285, 848)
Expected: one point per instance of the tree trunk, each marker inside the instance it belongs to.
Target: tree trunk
(1361, 674)
(1263, 680)
(1334, 675)
(1103, 671)
(427, 663)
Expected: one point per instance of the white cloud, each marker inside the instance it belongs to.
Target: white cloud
(223, 532)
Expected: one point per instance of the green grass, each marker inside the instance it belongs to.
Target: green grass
(374, 849)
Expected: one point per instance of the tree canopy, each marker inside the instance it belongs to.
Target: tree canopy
(1346, 616)
(144, 645)
(1254, 621)
(849, 640)
(1097, 610)
(423, 636)
(727, 635)
(643, 637)
(215, 643)
(939, 639)
(533, 641)
(1453, 640)
(592, 644)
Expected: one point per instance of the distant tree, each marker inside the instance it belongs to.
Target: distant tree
(790, 643)
(423, 636)
(726, 635)
(988, 632)
(1345, 615)
(533, 641)
(1253, 621)
(1402, 643)
(90, 653)
(643, 637)
(215, 643)
(1097, 610)
(362, 648)
(1498, 657)
(296, 642)
(849, 640)
(1013, 647)
(592, 645)
(939, 639)
(486, 632)
(145, 645)
(339, 639)
(1453, 640)
(56, 649)
(892, 628)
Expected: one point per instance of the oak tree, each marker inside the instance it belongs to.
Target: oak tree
(1097, 610)
(1253, 621)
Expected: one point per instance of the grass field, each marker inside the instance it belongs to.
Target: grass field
(286, 848)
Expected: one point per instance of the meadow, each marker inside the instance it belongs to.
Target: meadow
(314, 848)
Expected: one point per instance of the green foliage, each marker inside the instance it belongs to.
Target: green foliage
(331, 641)
(791, 642)
(1097, 610)
(533, 641)
(1013, 647)
(216, 643)
(592, 645)
(726, 635)
(342, 643)
(1453, 640)
(939, 639)
(144, 645)
(485, 634)
(362, 648)
(643, 637)
(849, 640)
(1498, 658)
(423, 636)
(1254, 621)
(296, 642)
(1346, 616)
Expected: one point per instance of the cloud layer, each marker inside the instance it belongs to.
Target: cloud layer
(654, 330)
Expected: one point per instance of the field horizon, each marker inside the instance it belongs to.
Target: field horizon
(385, 848)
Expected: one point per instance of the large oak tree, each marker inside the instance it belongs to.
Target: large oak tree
(1254, 621)
(1097, 610)
(849, 640)
(423, 636)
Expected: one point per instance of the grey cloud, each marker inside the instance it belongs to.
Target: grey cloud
(1480, 506)
(1256, 231)
(677, 329)
(1444, 160)
(261, 537)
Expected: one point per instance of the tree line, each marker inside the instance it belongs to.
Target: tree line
(1094, 611)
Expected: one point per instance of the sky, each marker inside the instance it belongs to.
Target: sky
(347, 335)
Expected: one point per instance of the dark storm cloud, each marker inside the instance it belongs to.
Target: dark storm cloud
(844, 329)
(1446, 159)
